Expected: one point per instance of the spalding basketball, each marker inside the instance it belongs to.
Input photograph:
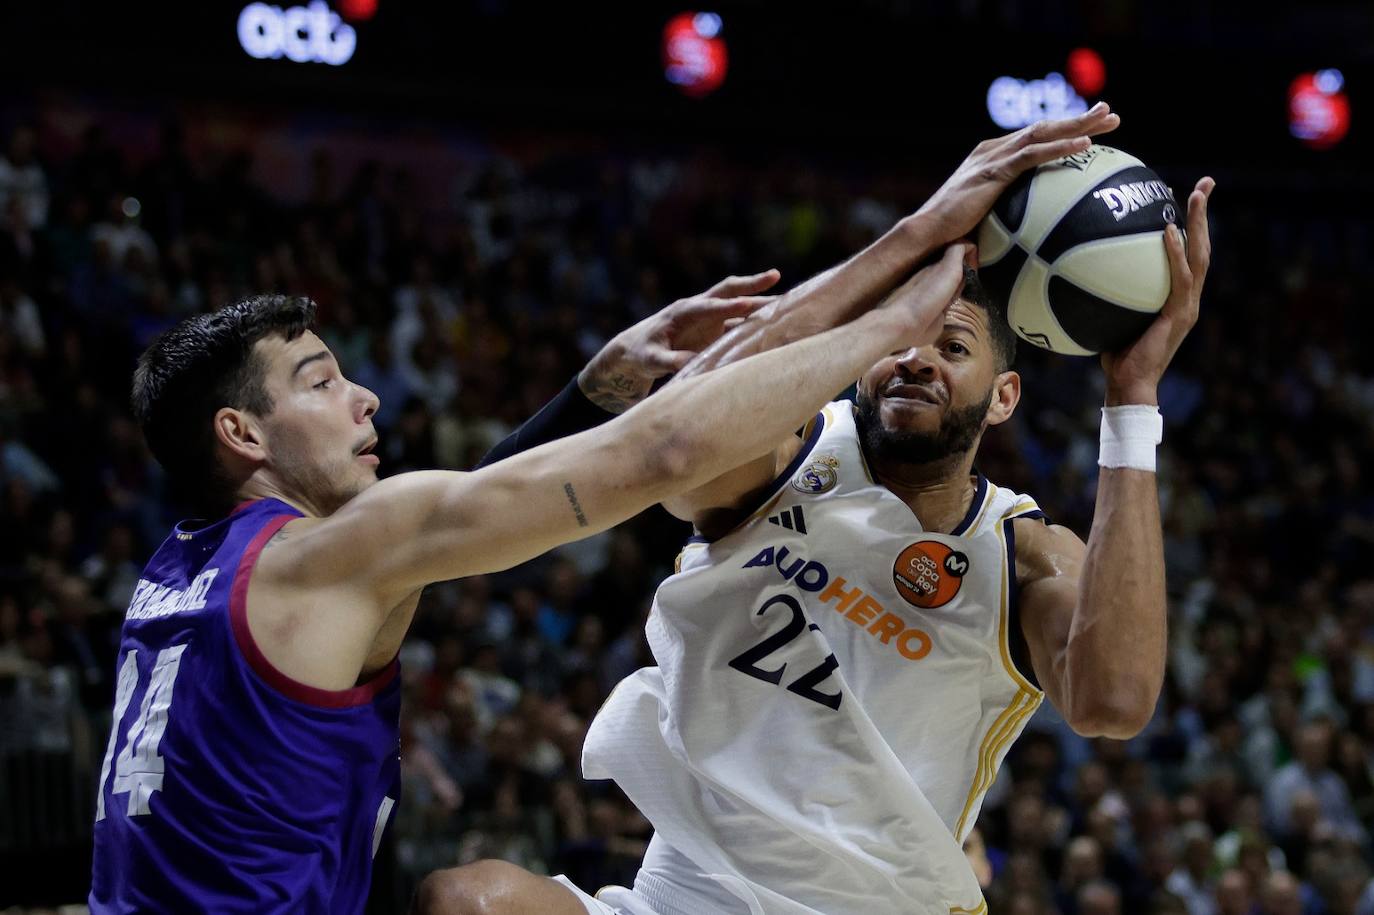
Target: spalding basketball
(1075, 250)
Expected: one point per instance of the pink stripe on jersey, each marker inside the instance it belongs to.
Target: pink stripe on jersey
(292, 689)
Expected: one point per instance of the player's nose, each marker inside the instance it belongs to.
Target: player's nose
(366, 402)
(917, 362)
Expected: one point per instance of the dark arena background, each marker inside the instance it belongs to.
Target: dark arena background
(479, 194)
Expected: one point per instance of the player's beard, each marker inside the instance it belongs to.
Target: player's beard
(958, 432)
(327, 485)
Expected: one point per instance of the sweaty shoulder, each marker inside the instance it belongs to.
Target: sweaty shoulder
(1045, 550)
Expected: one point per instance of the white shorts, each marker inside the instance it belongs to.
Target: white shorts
(667, 883)
(609, 900)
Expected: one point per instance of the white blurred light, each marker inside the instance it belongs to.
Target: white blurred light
(1329, 81)
(706, 24)
(260, 29)
(131, 207)
(304, 34)
(1014, 103)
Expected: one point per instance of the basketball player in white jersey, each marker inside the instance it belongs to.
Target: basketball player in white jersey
(865, 623)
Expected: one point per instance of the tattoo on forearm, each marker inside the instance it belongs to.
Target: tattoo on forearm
(576, 506)
(615, 393)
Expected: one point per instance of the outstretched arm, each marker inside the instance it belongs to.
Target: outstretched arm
(851, 288)
(416, 528)
(1095, 615)
(953, 212)
(625, 370)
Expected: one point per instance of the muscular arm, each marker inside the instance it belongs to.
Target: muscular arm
(1094, 616)
(416, 528)
(858, 284)
(622, 374)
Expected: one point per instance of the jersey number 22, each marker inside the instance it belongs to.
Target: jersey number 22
(747, 661)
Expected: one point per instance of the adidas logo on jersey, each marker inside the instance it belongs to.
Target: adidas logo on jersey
(791, 519)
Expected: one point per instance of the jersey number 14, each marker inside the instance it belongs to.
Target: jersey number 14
(138, 771)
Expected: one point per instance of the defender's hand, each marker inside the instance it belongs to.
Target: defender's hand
(1133, 372)
(624, 371)
(923, 299)
(961, 202)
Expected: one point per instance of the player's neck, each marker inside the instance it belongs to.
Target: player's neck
(262, 486)
(938, 493)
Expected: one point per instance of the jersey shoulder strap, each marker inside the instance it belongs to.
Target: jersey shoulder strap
(1000, 505)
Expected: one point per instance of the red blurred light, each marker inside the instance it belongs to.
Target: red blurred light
(357, 10)
(1319, 118)
(1086, 70)
(694, 57)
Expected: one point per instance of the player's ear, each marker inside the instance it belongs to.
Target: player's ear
(239, 431)
(1006, 394)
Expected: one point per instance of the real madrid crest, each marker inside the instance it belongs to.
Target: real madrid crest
(818, 476)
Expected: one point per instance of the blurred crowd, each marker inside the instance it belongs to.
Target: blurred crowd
(1250, 793)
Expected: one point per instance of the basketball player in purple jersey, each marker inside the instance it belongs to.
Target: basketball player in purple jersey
(252, 765)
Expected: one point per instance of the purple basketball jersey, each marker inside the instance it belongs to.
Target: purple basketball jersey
(227, 786)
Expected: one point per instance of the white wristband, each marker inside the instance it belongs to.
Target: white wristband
(1129, 436)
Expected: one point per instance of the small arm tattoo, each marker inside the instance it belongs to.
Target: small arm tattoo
(276, 538)
(614, 393)
(576, 506)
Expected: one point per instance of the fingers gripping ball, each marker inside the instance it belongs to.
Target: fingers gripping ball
(1075, 250)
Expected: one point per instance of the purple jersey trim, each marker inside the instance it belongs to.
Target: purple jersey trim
(292, 689)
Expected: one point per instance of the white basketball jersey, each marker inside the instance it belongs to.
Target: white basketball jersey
(834, 696)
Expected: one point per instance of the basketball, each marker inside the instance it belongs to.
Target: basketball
(1075, 251)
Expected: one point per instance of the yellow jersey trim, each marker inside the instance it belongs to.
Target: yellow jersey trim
(677, 563)
(1022, 705)
(987, 503)
(1003, 640)
(1002, 730)
(859, 445)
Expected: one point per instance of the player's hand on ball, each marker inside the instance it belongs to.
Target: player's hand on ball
(923, 299)
(967, 196)
(1133, 372)
(624, 371)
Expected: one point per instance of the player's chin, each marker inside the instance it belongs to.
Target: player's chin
(900, 414)
(362, 473)
(358, 483)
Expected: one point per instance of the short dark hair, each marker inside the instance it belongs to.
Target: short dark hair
(1003, 337)
(192, 370)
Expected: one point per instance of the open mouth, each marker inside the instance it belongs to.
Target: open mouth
(366, 449)
(916, 393)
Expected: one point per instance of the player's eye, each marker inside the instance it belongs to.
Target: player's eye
(323, 384)
(956, 348)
